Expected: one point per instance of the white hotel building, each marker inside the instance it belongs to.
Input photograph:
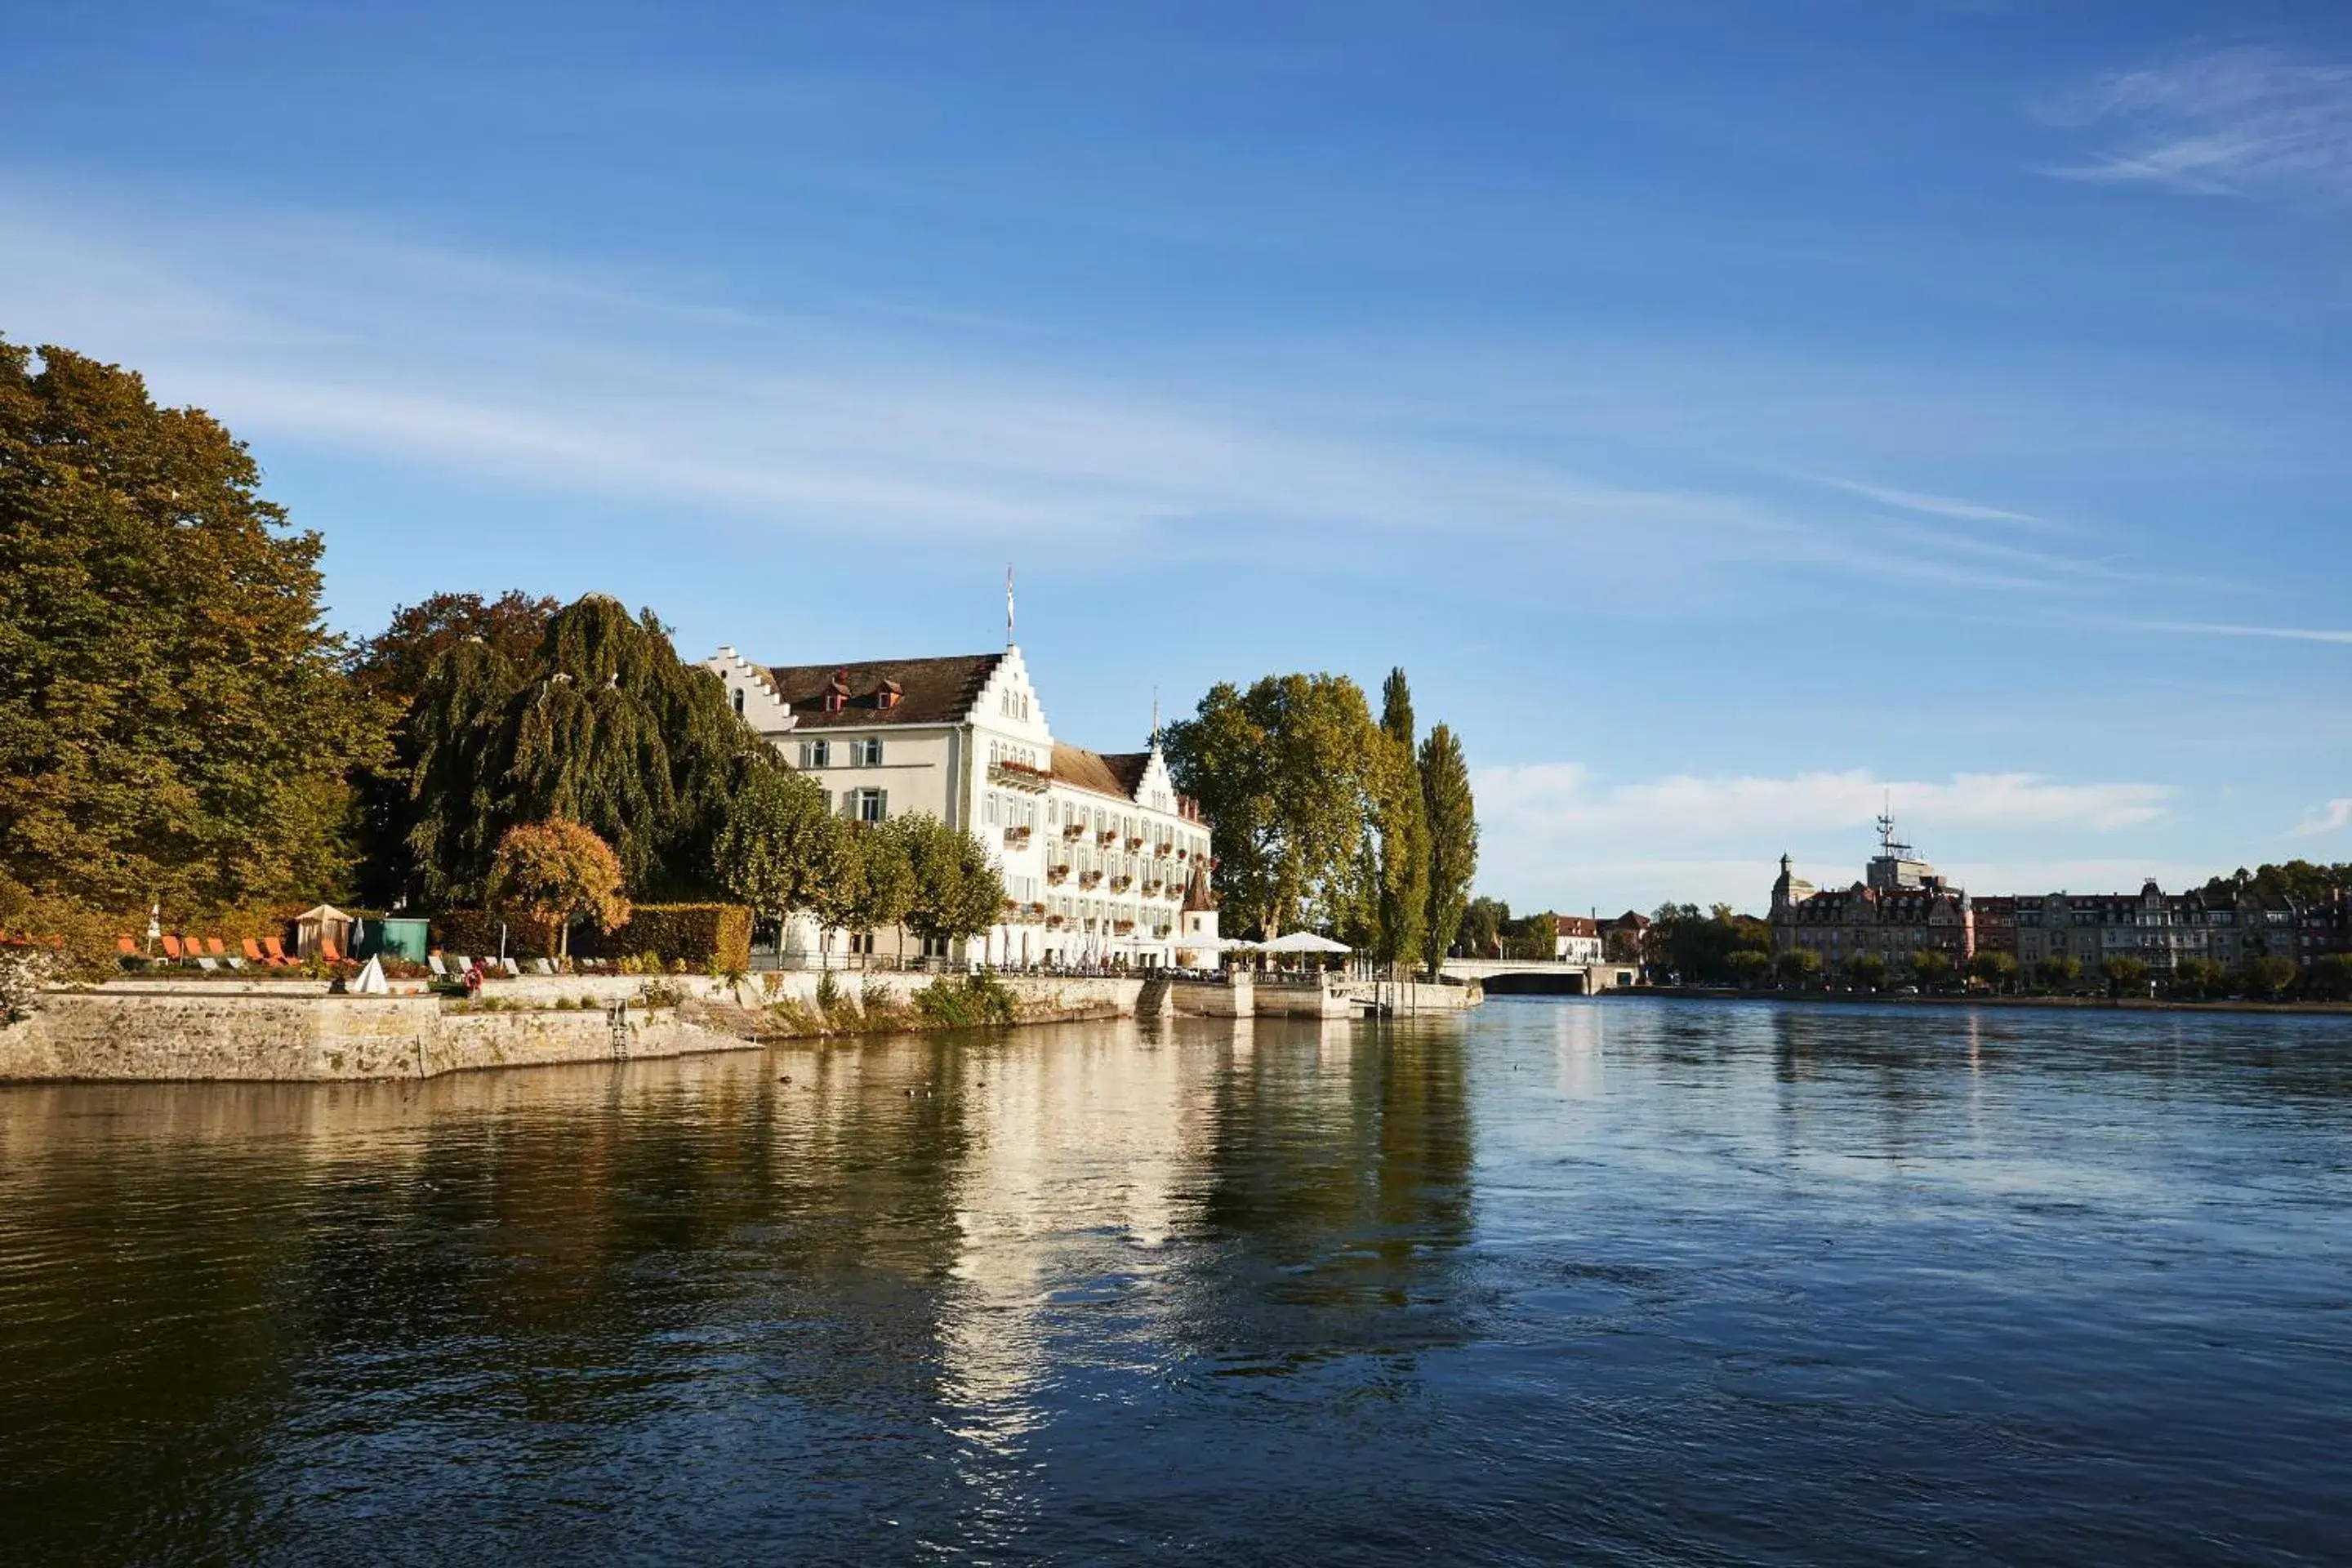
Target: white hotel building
(1102, 860)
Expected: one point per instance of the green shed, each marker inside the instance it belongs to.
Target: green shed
(391, 939)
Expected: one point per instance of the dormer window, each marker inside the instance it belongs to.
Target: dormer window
(836, 692)
(887, 698)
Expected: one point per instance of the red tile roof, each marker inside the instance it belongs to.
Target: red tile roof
(1117, 774)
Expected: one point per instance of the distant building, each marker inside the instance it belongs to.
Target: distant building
(1996, 923)
(2160, 928)
(1900, 907)
(1621, 939)
(1576, 939)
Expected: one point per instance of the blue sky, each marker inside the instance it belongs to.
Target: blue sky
(1732, 416)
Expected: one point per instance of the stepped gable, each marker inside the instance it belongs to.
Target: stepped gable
(928, 691)
(1118, 773)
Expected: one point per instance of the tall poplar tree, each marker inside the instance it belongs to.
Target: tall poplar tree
(1452, 819)
(1401, 825)
(174, 722)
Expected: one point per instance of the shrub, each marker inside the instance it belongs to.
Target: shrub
(792, 1018)
(661, 994)
(829, 994)
(694, 936)
(978, 999)
(474, 931)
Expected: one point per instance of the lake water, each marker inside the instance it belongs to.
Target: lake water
(1612, 1282)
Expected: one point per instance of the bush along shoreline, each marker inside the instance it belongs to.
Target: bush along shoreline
(951, 1002)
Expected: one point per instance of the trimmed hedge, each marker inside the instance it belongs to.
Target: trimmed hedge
(476, 931)
(704, 935)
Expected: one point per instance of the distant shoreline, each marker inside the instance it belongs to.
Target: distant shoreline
(2101, 1004)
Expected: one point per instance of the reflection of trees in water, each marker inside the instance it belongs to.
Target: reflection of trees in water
(1339, 1185)
(242, 1268)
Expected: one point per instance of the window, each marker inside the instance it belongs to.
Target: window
(816, 753)
(866, 753)
(738, 702)
(866, 805)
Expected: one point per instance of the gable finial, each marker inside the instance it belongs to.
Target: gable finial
(1008, 604)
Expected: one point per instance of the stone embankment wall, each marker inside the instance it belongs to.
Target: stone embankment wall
(101, 1035)
(293, 1031)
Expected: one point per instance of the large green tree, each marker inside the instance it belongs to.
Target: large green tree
(603, 724)
(1287, 772)
(2305, 881)
(1450, 818)
(394, 662)
(886, 873)
(956, 893)
(173, 720)
(1481, 927)
(782, 850)
(1697, 947)
(393, 667)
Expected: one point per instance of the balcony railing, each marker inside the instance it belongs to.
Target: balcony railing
(1075, 831)
(1090, 878)
(1016, 837)
(1108, 837)
(1135, 841)
(1057, 873)
(1121, 884)
(1020, 775)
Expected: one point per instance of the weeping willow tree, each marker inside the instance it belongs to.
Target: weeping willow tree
(602, 725)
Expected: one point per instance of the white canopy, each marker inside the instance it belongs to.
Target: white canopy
(1303, 942)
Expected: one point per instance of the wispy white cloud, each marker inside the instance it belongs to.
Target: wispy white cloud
(1566, 798)
(345, 336)
(1932, 505)
(2333, 818)
(2233, 122)
(2218, 629)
